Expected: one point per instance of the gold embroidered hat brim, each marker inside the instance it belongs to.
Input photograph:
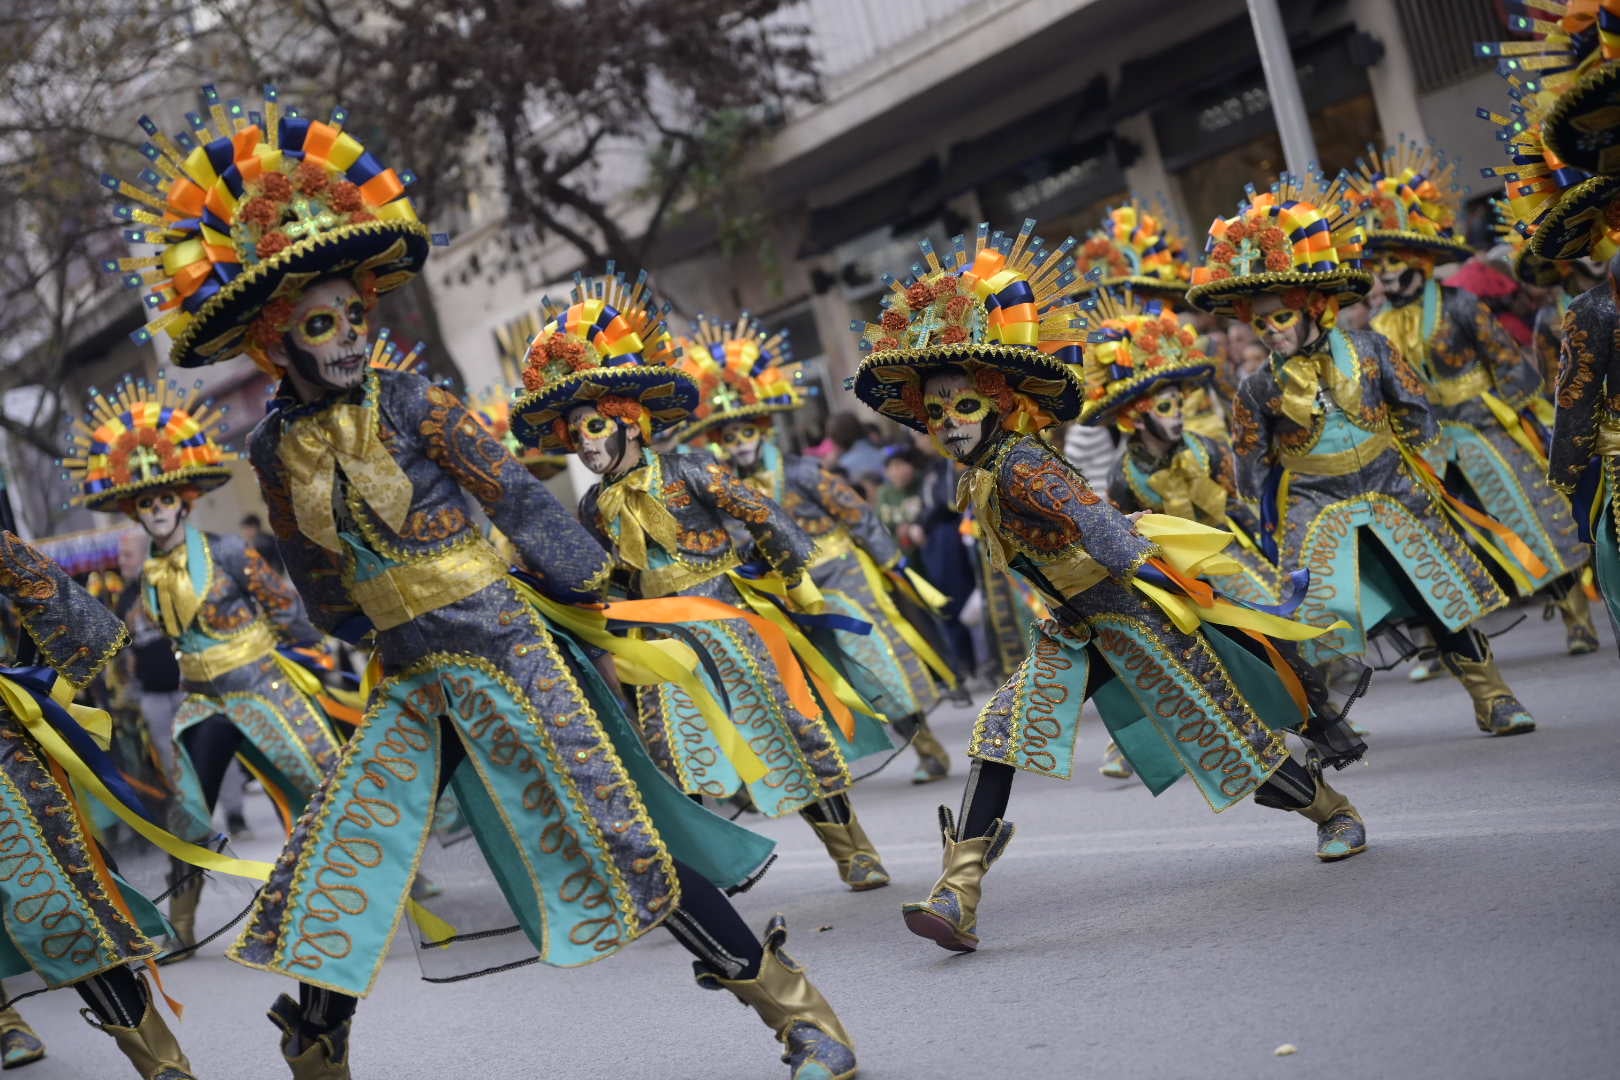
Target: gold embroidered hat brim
(669, 396)
(1220, 297)
(1391, 239)
(1532, 269)
(1573, 227)
(1098, 411)
(201, 477)
(1580, 128)
(393, 251)
(881, 380)
(698, 426)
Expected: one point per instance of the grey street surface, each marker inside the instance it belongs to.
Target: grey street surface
(1124, 936)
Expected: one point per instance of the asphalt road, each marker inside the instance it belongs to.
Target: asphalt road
(1124, 936)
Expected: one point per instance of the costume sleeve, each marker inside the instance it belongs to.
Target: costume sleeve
(1586, 354)
(1049, 513)
(275, 595)
(1253, 435)
(1405, 396)
(776, 535)
(316, 572)
(76, 633)
(834, 495)
(555, 547)
(1513, 370)
(1545, 343)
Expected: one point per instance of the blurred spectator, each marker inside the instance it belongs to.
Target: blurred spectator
(1092, 451)
(254, 536)
(899, 502)
(945, 559)
(1513, 306)
(857, 454)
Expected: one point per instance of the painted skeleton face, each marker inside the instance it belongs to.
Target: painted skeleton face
(1164, 417)
(742, 441)
(329, 343)
(161, 513)
(604, 444)
(958, 416)
(1401, 280)
(1282, 329)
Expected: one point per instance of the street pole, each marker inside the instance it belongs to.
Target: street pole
(1282, 84)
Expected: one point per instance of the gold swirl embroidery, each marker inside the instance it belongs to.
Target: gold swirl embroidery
(1042, 694)
(35, 895)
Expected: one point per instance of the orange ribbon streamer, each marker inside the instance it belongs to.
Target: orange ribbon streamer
(1510, 540)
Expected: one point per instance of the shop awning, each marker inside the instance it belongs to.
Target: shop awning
(897, 199)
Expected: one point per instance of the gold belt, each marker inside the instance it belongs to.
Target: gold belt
(1608, 437)
(254, 643)
(1450, 392)
(679, 577)
(405, 592)
(834, 545)
(1340, 462)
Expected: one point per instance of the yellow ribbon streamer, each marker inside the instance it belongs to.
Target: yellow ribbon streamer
(1188, 490)
(312, 449)
(1513, 424)
(1517, 552)
(648, 663)
(922, 590)
(169, 574)
(639, 514)
(879, 584)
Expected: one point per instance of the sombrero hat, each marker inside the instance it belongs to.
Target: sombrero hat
(248, 211)
(143, 437)
(1297, 235)
(1132, 349)
(1138, 247)
(997, 309)
(609, 342)
(1406, 197)
(740, 372)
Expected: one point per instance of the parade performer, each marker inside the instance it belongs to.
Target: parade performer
(599, 383)
(1481, 384)
(1332, 436)
(67, 917)
(149, 452)
(368, 475)
(978, 352)
(745, 377)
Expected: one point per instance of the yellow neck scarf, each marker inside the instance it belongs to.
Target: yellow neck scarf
(1300, 378)
(1403, 326)
(169, 574)
(973, 491)
(344, 435)
(1188, 491)
(630, 502)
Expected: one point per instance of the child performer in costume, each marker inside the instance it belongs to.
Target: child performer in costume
(367, 474)
(978, 352)
(1481, 384)
(599, 383)
(1329, 436)
(149, 452)
(67, 917)
(743, 378)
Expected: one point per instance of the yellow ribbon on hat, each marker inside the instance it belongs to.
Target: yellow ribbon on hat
(169, 575)
(639, 515)
(313, 448)
(1185, 484)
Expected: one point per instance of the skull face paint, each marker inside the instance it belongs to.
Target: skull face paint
(329, 343)
(162, 514)
(958, 416)
(1163, 419)
(1282, 329)
(1402, 281)
(742, 442)
(605, 446)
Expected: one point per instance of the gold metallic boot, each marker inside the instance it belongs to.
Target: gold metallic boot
(183, 916)
(1496, 710)
(149, 1045)
(1114, 765)
(933, 760)
(857, 858)
(18, 1044)
(1580, 634)
(818, 1047)
(950, 914)
(325, 1058)
(1339, 831)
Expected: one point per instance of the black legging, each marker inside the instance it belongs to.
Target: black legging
(211, 744)
(705, 923)
(115, 996)
(989, 784)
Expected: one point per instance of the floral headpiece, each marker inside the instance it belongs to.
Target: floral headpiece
(1132, 348)
(1139, 247)
(740, 372)
(998, 311)
(142, 437)
(1407, 197)
(1297, 236)
(609, 346)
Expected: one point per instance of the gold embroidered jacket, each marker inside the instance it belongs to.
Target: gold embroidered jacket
(1588, 420)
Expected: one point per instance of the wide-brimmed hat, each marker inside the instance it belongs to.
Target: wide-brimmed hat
(1297, 235)
(1140, 246)
(740, 372)
(998, 309)
(1133, 348)
(247, 212)
(609, 342)
(143, 437)
(1406, 198)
